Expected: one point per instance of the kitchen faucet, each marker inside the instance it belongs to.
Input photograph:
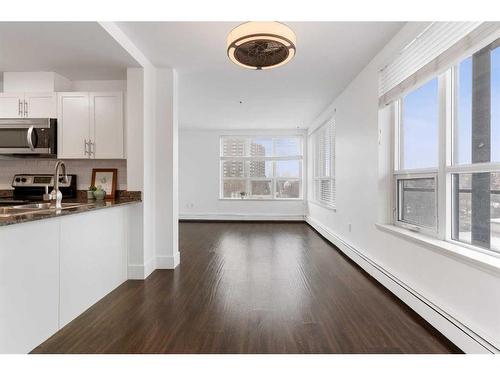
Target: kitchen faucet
(55, 194)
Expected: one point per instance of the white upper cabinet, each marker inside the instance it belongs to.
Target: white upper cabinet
(90, 125)
(106, 119)
(73, 125)
(28, 105)
(11, 105)
(41, 105)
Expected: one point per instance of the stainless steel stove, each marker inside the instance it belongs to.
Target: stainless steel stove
(32, 187)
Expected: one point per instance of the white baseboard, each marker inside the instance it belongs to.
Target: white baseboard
(149, 267)
(140, 271)
(457, 332)
(241, 217)
(135, 272)
(168, 262)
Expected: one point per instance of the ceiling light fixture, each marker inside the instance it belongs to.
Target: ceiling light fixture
(261, 45)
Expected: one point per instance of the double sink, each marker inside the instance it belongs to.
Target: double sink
(37, 208)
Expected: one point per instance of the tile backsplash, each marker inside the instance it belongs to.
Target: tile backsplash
(82, 168)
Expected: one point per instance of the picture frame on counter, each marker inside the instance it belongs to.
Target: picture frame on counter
(106, 178)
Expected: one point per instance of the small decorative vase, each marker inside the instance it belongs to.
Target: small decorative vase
(99, 194)
(90, 194)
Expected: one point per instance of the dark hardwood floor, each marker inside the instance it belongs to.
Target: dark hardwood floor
(251, 288)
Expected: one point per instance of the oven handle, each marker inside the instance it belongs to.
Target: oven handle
(29, 136)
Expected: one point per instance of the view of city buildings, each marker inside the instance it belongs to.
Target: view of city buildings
(247, 178)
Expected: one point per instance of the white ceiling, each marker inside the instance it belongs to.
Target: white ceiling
(76, 50)
(329, 56)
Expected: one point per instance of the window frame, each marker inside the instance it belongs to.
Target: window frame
(400, 173)
(246, 162)
(315, 165)
(447, 163)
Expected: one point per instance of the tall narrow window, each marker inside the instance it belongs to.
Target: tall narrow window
(417, 123)
(261, 167)
(324, 164)
(476, 150)
(419, 127)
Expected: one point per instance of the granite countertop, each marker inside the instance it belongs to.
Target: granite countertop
(86, 206)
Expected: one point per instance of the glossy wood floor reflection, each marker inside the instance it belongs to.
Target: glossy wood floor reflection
(251, 288)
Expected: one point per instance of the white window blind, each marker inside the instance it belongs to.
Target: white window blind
(324, 162)
(437, 47)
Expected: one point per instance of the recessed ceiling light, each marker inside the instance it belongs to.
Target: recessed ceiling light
(261, 45)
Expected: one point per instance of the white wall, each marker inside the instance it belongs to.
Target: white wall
(140, 138)
(34, 82)
(134, 128)
(151, 127)
(99, 85)
(167, 199)
(199, 181)
(464, 290)
(149, 169)
(50, 81)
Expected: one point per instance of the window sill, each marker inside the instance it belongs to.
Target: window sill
(332, 208)
(475, 257)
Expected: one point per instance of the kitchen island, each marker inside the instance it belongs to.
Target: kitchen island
(55, 264)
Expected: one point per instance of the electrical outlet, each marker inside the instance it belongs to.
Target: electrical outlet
(350, 227)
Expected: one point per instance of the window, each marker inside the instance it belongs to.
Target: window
(324, 164)
(468, 82)
(419, 127)
(447, 153)
(475, 181)
(417, 201)
(261, 167)
(417, 158)
(478, 227)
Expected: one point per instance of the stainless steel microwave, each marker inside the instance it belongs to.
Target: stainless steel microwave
(28, 137)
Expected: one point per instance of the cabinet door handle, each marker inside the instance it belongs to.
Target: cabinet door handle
(25, 108)
(20, 107)
(92, 148)
(86, 144)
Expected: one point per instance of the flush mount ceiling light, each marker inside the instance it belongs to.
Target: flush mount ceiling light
(261, 45)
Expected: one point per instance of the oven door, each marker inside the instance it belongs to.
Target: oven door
(27, 137)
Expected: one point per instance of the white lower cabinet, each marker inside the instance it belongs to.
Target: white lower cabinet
(53, 270)
(95, 264)
(29, 284)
